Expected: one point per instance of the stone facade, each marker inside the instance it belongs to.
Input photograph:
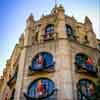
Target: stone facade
(61, 44)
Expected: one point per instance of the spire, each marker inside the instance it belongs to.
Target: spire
(88, 24)
(57, 8)
(56, 3)
(87, 20)
(30, 18)
(30, 21)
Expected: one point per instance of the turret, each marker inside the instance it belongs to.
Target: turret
(29, 30)
(30, 21)
(58, 11)
(87, 20)
(89, 31)
(88, 24)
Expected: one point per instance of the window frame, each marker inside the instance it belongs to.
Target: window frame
(48, 64)
(79, 89)
(69, 28)
(49, 29)
(34, 82)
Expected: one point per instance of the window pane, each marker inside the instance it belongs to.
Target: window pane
(69, 30)
(49, 29)
(86, 89)
(41, 88)
(42, 61)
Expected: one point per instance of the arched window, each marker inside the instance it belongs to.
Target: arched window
(70, 32)
(41, 88)
(85, 62)
(85, 89)
(49, 32)
(81, 58)
(49, 29)
(43, 61)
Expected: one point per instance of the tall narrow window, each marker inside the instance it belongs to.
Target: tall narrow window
(70, 32)
(49, 31)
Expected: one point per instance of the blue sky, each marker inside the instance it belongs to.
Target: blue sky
(13, 15)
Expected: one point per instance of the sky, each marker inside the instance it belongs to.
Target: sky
(13, 15)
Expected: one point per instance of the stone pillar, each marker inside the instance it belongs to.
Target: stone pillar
(20, 75)
(64, 71)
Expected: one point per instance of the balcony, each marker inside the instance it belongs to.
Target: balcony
(49, 36)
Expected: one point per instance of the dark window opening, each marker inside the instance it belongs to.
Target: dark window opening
(86, 39)
(86, 89)
(49, 32)
(12, 96)
(85, 62)
(70, 32)
(49, 29)
(13, 79)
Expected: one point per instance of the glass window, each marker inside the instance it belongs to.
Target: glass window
(49, 29)
(86, 89)
(43, 60)
(86, 62)
(81, 58)
(41, 88)
(69, 30)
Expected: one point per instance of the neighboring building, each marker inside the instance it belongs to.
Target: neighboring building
(57, 58)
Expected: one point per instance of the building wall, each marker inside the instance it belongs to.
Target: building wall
(61, 47)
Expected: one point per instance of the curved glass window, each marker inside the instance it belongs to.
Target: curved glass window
(69, 31)
(86, 89)
(85, 62)
(43, 60)
(81, 58)
(49, 29)
(41, 88)
(49, 34)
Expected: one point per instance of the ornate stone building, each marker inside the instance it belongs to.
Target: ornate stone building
(57, 58)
